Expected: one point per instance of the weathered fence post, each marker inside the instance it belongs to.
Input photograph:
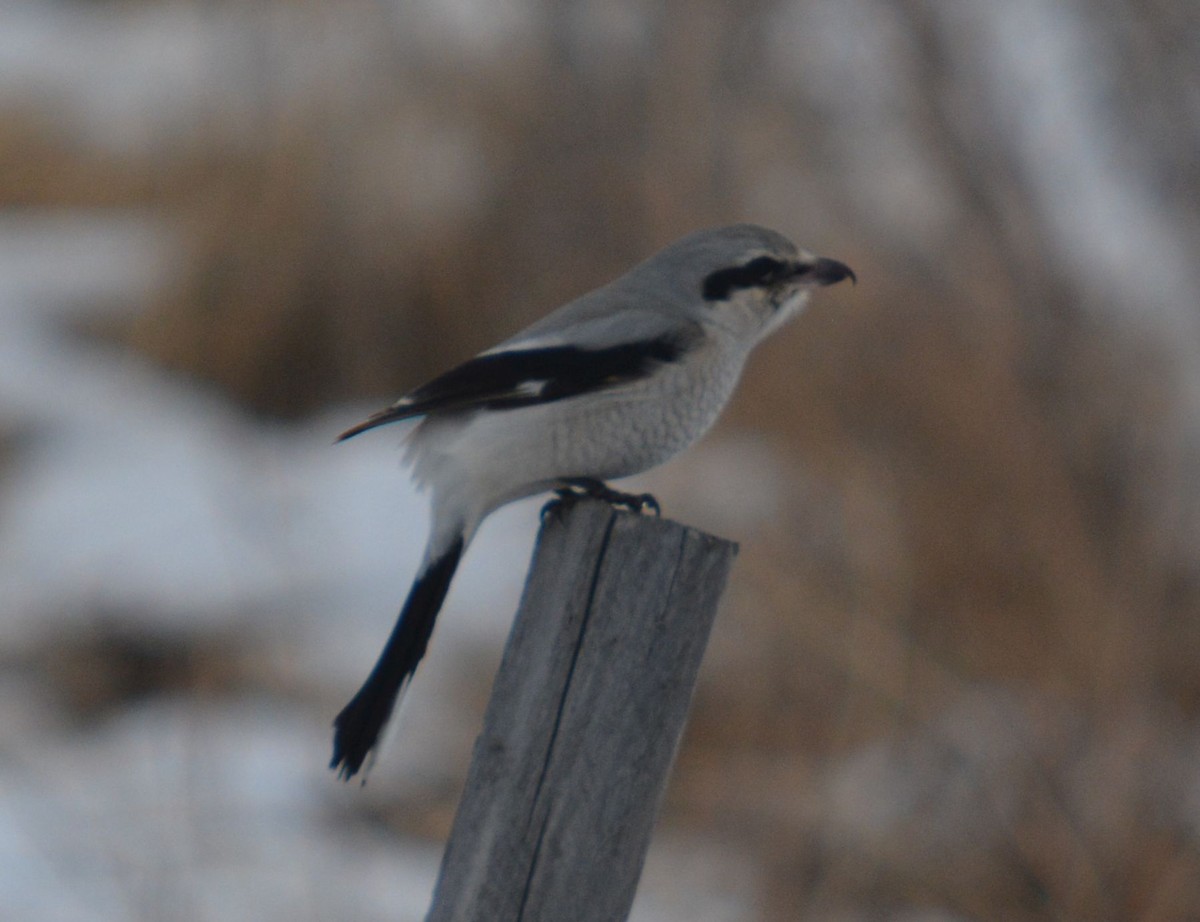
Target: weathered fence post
(584, 720)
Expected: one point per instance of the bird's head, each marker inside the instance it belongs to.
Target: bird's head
(746, 279)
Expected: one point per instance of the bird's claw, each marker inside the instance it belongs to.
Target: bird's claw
(647, 503)
(576, 488)
(561, 500)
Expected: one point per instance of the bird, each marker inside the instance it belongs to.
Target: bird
(609, 385)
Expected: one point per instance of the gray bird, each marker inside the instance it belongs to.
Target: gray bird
(611, 384)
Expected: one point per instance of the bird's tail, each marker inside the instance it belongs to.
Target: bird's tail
(358, 727)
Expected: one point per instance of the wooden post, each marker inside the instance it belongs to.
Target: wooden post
(585, 716)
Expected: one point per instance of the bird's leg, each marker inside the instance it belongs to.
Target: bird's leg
(589, 486)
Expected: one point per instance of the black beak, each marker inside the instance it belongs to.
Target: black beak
(830, 272)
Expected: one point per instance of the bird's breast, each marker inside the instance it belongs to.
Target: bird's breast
(630, 429)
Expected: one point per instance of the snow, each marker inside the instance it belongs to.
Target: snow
(182, 810)
(127, 491)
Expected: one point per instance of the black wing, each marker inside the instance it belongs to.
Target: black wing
(521, 377)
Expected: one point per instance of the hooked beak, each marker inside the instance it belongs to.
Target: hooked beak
(830, 272)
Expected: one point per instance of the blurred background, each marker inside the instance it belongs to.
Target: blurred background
(957, 672)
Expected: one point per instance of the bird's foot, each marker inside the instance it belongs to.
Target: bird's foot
(575, 488)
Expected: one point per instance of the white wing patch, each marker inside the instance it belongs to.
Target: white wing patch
(532, 388)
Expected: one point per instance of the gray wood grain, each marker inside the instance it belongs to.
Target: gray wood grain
(585, 716)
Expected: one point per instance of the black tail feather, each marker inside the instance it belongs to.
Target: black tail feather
(358, 727)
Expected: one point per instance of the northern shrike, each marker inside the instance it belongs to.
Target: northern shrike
(611, 384)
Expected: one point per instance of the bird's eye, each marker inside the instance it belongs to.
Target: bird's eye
(762, 270)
